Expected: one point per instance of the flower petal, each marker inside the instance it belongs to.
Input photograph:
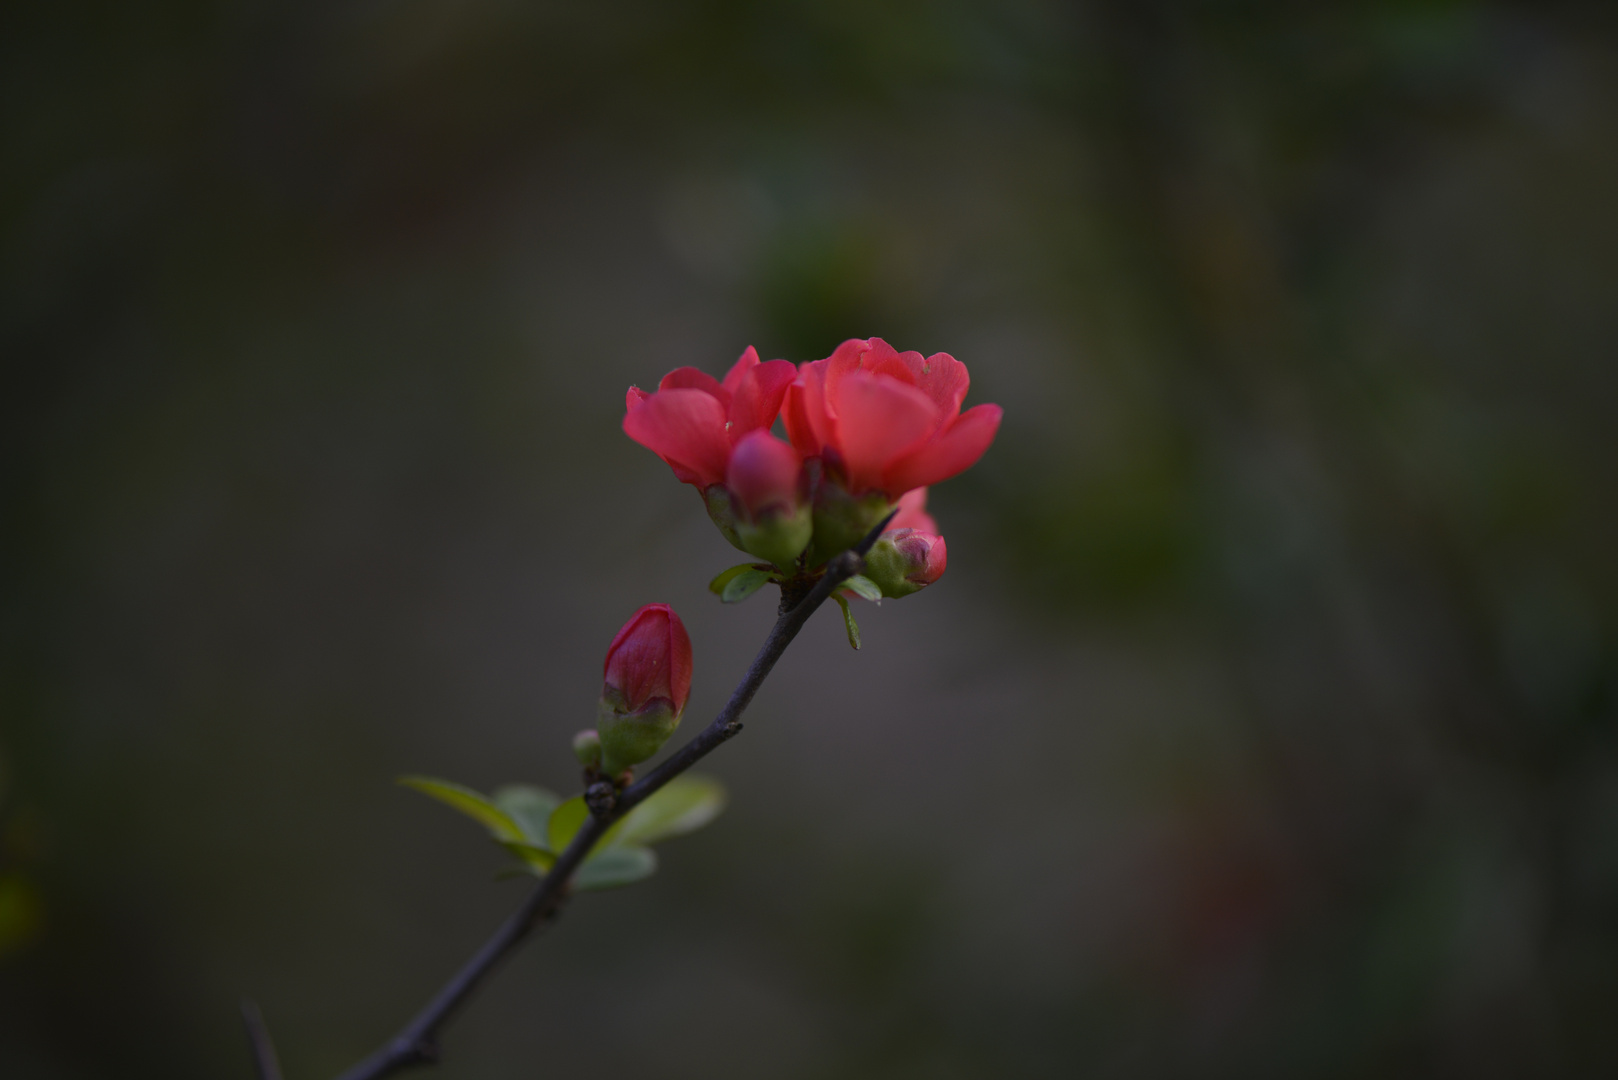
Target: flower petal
(795, 417)
(815, 408)
(690, 378)
(953, 450)
(878, 419)
(635, 396)
(686, 428)
(844, 360)
(913, 513)
(942, 378)
(744, 363)
(756, 400)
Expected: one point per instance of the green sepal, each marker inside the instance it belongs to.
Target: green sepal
(722, 512)
(841, 521)
(628, 739)
(685, 804)
(863, 587)
(501, 825)
(849, 624)
(776, 536)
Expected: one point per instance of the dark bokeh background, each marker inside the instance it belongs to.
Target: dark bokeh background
(1262, 726)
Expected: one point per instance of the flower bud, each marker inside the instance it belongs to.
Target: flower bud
(645, 682)
(764, 478)
(904, 561)
(587, 748)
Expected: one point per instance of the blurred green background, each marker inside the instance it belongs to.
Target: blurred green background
(1264, 724)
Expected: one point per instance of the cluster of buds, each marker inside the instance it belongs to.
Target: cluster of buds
(866, 428)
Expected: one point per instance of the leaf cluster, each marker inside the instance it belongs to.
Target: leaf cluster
(536, 825)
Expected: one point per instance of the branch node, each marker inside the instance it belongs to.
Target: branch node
(601, 797)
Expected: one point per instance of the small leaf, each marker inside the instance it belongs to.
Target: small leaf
(717, 585)
(863, 587)
(499, 823)
(530, 807)
(848, 622)
(744, 584)
(684, 805)
(565, 821)
(616, 866)
(535, 857)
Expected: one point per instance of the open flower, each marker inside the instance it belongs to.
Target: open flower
(693, 421)
(885, 421)
(716, 437)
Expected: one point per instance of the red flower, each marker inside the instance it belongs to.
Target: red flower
(648, 663)
(887, 421)
(692, 421)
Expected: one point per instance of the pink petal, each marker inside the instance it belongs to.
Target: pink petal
(878, 419)
(844, 360)
(680, 659)
(686, 428)
(690, 378)
(952, 451)
(635, 396)
(744, 363)
(816, 407)
(796, 419)
(756, 401)
(913, 513)
(944, 379)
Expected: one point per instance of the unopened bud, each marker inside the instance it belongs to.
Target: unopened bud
(587, 748)
(645, 682)
(765, 480)
(904, 561)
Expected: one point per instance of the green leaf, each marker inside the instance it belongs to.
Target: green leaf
(499, 823)
(685, 804)
(535, 857)
(717, 585)
(616, 866)
(863, 587)
(530, 807)
(849, 624)
(565, 821)
(744, 584)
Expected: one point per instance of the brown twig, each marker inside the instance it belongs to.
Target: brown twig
(417, 1042)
